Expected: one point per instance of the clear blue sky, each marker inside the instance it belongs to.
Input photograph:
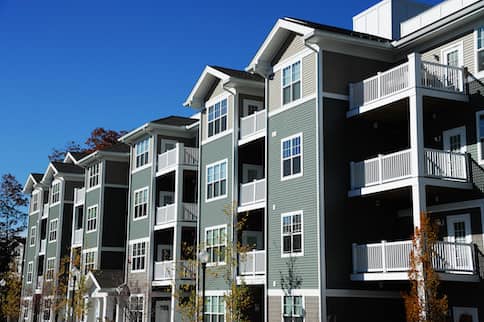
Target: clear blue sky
(67, 67)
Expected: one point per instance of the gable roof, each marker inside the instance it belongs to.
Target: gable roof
(108, 278)
(32, 179)
(118, 150)
(242, 74)
(37, 177)
(67, 167)
(175, 120)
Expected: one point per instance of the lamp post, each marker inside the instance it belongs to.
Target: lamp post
(203, 258)
(74, 278)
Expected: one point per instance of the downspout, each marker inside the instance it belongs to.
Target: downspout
(323, 315)
(128, 216)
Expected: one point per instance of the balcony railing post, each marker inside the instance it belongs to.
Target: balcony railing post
(380, 168)
(383, 259)
(414, 70)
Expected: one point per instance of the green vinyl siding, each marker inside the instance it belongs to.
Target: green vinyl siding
(140, 228)
(293, 195)
(92, 198)
(212, 212)
(51, 247)
(31, 253)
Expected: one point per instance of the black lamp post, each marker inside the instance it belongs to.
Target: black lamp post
(74, 277)
(203, 258)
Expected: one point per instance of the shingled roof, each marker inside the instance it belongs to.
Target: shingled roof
(67, 167)
(175, 121)
(108, 278)
(37, 176)
(238, 73)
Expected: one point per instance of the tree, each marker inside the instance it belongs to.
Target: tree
(99, 138)
(10, 295)
(424, 302)
(12, 218)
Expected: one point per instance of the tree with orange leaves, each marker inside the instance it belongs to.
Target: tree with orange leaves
(424, 302)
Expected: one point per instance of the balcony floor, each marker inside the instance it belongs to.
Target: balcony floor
(403, 276)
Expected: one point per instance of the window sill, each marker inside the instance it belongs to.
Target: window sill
(292, 255)
(140, 218)
(215, 198)
(294, 176)
(143, 167)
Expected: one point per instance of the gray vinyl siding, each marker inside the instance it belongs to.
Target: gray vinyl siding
(230, 113)
(51, 247)
(293, 195)
(212, 212)
(435, 54)
(308, 82)
(92, 198)
(218, 89)
(311, 308)
(294, 47)
(140, 228)
(274, 308)
(31, 253)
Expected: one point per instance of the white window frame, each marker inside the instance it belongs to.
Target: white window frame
(466, 218)
(301, 154)
(35, 202)
(461, 131)
(472, 311)
(47, 307)
(33, 236)
(459, 46)
(303, 304)
(30, 272)
(292, 214)
(48, 270)
(290, 65)
(55, 193)
(136, 202)
(219, 118)
(219, 245)
(89, 211)
(479, 136)
(214, 316)
(93, 176)
(477, 73)
(90, 255)
(212, 165)
(138, 318)
(26, 309)
(53, 231)
(136, 267)
(142, 153)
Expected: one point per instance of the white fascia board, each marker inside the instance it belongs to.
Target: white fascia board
(194, 99)
(29, 184)
(50, 169)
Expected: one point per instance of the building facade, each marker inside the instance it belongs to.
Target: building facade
(318, 160)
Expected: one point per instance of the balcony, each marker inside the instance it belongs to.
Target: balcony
(77, 237)
(367, 175)
(43, 243)
(166, 270)
(252, 127)
(45, 211)
(40, 283)
(79, 196)
(252, 195)
(168, 214)
(393, 85)
(391, 261)
(179, 156)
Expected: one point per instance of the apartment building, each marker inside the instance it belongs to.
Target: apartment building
(162, 220)
(362, 131)
(48, 235)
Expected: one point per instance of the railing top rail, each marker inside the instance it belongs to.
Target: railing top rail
(453, 243)
(379, 74)
(263, 111)
(425, 62)
(448, 152)
(252, 182)
(166, 206)
(401, 242)
(385, 156)
(254, 251)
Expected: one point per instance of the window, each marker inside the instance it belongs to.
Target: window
(142, 152)
(53, 230)
(46, 312)
(215, 241)
(91, 219)
(217, 180)
(291, 83)
(214, 310)
(33, 236)
(292, 234)
(480, 49)
(49, 274)
(89, 261)
(25, 309)
(93, 175)
(35, 202)
(465, 314)
(293, 310)
(136, 308)
(55, 195)
(30, 272)
(141, 203)
(291, 156)
(138, 254)
(480, 134)
(217, 118)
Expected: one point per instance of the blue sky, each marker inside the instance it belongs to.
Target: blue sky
(67, 67)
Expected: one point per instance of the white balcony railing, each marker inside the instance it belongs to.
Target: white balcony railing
(395, 257)
(43, 243)
(396, 166)
(433, 14)
(77, 239)
(40, 282)
(187, 269)
(164, 270)
(391, 82)
(252, 124)
(45, 211)
(252, 192)
(180, 155)
(168, 213)
(252, 263)
(79, 195)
